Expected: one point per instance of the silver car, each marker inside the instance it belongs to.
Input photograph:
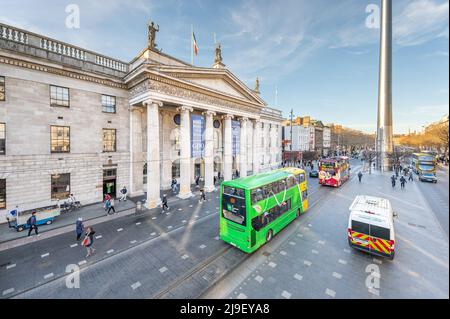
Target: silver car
(428, 177)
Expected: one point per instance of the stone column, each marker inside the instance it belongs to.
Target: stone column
(153, 154)
(166, 172)
(243, 147)
(137, 161)
(185, 152)
(256, 146)
(209, 151)
(227, 148)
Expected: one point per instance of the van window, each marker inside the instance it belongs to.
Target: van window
(359, 227)
(380, 232)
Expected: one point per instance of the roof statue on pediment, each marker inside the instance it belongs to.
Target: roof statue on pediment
(152, 35)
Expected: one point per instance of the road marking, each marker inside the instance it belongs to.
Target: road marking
(180, 209)
(292, 243)
(286, 294)
(337, 275)
(74, 245)
(283, 253)
(191, 206)
(184, 257)
(45, 255)
(120, 229)
(309, 225)
(322, 242)
(341, 261)
(153, 218)
(167, 214)
(133, 242)
(272, 264)
(8, 291)
(242, 296)
(183, 221)
(202, 246)
(307, 263)
(330, 292)
(153, 234)
(110, 251)
(216, 238)
(315, 251)
(300, 235)
(10, 266)
(196, 216)
(136, 285)
(98, 237)
(298, 277)
(259, 279)
(375, 260)
(50, 275)
(169, 227)
(137, 224)
(82, 262)
(374, 291)
(163, 269)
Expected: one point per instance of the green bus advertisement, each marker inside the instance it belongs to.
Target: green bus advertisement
(254, 209)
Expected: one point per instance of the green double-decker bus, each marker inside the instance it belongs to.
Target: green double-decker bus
(254, 209)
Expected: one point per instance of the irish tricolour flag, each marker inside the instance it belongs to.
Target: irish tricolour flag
(194, 44)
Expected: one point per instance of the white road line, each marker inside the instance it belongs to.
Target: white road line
(98, 237)
(242, 296)
(337, 275)
(120, 229)
(169, 227)
(45, 255)
(184, 221)
(184, 257)
(10, 266)
(110, 251)
(50, 275)
(153, 234)
(137, 224)
(82, 262)
(375, 260)
(272, 264)
(74, 245)
(322, 242)
(133, 242)
(283, 253)
(292, 243)
(286, 294)
(259, 279)
(163, 269)
(153, 218)
(216, 238)
(202, 246)
(8, 291)
(330, 292)
(300, 235)
(191, 206)
(298, 277)
(307, 263)
(180, 209)
(315, 251)
(341, 261)
(136, 285)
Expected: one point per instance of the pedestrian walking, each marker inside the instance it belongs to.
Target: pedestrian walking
(79, 228)
(164, 204)
(411, 177)
(111, 206)
(360, 176)
(202, 196)
(402, 182)
(197, 180)
(173, 185)
(106, 201)
(124, 193)
(393, 179)
(88, 241)
(32, 223)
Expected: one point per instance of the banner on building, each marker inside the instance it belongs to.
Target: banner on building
(197, 136)
(236, 129)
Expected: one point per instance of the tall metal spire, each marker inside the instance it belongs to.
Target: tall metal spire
(384, 123)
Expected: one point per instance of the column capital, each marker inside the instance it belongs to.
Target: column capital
(136, 108)
(209, 113)
(243, 119)
(152, 102)
(227, 117)
(185, 108)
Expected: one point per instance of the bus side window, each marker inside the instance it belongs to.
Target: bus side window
(302, 177)
(290, 182)
(305, 195)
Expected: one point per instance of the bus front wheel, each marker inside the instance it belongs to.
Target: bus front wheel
(269, 235)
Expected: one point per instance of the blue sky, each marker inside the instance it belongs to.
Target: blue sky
(318, 53)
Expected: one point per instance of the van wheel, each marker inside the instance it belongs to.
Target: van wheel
(48, 222)
(269, 235)
(19, 229)
(391, 257)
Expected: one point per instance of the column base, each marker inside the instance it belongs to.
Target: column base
(136, 194)
(153, 204)
(185, 195)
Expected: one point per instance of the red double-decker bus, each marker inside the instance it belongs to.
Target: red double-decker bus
(334, 171)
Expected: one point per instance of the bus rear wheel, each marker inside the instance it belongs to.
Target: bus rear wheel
(269, 235)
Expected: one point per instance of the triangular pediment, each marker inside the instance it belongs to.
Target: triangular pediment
(218, 80)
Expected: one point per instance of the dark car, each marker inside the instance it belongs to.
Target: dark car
(314, 173)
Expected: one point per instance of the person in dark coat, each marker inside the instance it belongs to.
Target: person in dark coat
(360, 176)
(164, 203)
(79, 228)
(32, 223)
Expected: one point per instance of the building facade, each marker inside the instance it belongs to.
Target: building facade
(75, 121)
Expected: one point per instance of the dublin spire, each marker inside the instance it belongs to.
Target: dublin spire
(384, 123)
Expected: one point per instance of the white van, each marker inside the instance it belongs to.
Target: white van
(371, 226)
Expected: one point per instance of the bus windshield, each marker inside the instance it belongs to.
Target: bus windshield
(233, 205)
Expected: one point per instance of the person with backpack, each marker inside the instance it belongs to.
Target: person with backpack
(79, 228)
(106, 201)
(124, 193)
(88, 241)
(32, 223)
(111, 206)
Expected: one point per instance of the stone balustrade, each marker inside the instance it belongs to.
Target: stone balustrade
(61, 48)
(12, 34)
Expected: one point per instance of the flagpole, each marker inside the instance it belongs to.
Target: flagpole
(192, 44)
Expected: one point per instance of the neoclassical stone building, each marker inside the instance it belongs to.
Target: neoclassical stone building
(75, 121)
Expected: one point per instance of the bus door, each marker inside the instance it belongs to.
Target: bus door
(304, 190)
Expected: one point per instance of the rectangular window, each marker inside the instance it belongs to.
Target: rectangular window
(233, 207)
(109, 140)
(60, 186)
(60, 139)
(108, 104)
(2, 138)
(2, 89)
(2, 193)
(59, 96)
